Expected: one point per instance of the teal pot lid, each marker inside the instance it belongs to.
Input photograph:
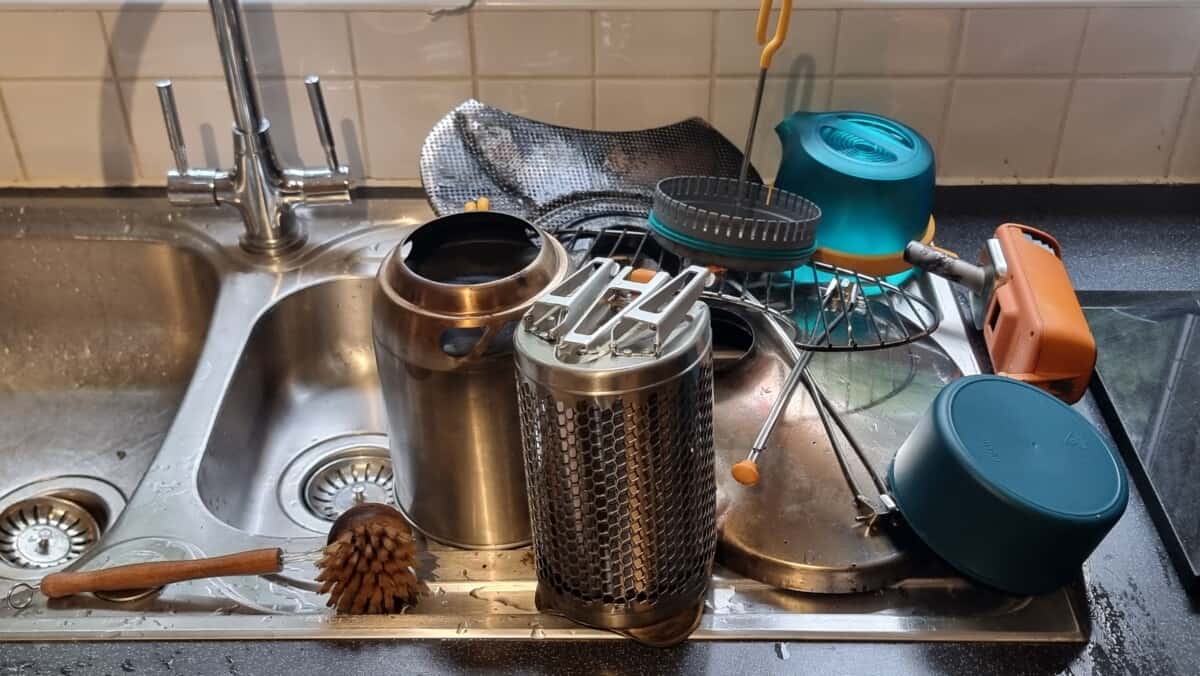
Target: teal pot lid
(1008, 484)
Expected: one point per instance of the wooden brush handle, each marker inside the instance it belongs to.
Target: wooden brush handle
(159, 573)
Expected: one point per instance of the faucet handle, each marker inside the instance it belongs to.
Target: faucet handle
(166, 98)
(316, 99)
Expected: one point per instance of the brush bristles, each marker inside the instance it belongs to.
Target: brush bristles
(369, 569)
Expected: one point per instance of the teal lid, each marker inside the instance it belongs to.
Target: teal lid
(1008, 484)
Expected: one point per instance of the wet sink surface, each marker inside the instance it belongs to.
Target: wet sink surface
(304, 396)
(98, 343)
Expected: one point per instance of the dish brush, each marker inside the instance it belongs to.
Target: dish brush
(368, 566)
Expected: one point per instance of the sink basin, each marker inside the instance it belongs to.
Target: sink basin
(98, 342)
(302, 423)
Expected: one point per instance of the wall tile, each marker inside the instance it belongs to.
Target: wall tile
(565, 102)
(204, 115)
(70, 133)
(903, 41)
(920, 103)
(298, 44)
(639, 104)
(733, 101)
(1002, 128)
(808, 49)
(10, 168)
(410, 44)
(1186, 164)
(1024, 40)
(1141, 40)
(645, 44)
(56, 44)
(1120, 128)
(533, 43)
(398, 116)
(148, 43)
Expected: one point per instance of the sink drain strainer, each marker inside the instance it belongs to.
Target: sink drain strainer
(333, 475)
(45, 531)
(345, 482)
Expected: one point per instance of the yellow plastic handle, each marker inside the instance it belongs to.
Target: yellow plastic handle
(781, 29)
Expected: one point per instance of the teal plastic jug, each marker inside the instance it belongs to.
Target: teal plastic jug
(873, 179)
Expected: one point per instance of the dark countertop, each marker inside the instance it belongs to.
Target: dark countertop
(1128, 238)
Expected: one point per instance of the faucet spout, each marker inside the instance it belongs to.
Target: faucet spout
(265, 194)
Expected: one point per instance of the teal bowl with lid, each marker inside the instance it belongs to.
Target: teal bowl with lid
(1008, 484)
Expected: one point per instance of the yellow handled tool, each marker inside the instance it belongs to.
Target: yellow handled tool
(764, 62)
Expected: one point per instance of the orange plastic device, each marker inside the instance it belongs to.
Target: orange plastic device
(1033, 325)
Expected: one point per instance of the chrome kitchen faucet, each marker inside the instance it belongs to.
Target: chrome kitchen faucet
(265, 194)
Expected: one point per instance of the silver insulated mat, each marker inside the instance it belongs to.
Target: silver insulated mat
(529, 168)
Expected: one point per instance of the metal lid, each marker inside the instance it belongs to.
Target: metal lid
(608, 329)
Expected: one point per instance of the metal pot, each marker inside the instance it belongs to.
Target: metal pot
(447, 301)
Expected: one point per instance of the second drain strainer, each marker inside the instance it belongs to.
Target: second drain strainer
(45, 531)
(333, 476)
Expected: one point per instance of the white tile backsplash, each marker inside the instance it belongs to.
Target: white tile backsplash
(1141, 40)
(918, 102)
(70, 132)
(638, 104)
(564, 102)
(147, 43)
(398, 115)
(52, 44)
(297, 44)
(410, 44)
(1002, 128)
(1186, 164)
(901, 41)
(1121, 127)
(1024, 40)
(533, 43)
(647, 44)
(733, 101)
(807, 50)
(989, 85)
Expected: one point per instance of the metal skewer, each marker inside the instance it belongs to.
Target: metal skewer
(768, 52)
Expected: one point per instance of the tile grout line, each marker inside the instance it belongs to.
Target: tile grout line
(593, 34)
(1056, 158)
(360, 113)
(837, 31)
(12, 137)
(472, 59)
(958, 47)
(127, 122)
(711, 112)
(1180, 120)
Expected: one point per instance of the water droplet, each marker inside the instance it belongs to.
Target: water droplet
(536, 630)
(462, 628)
(781, 651)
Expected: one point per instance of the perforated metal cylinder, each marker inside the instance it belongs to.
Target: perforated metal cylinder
(619, 466)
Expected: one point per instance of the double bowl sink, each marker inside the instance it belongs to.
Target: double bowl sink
(164, 395)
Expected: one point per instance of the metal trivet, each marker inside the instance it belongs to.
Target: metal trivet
(883, 316)
(45, 532)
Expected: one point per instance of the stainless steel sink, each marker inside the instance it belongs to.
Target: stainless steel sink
(98, 341)
(233, 403)
(302, 423)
